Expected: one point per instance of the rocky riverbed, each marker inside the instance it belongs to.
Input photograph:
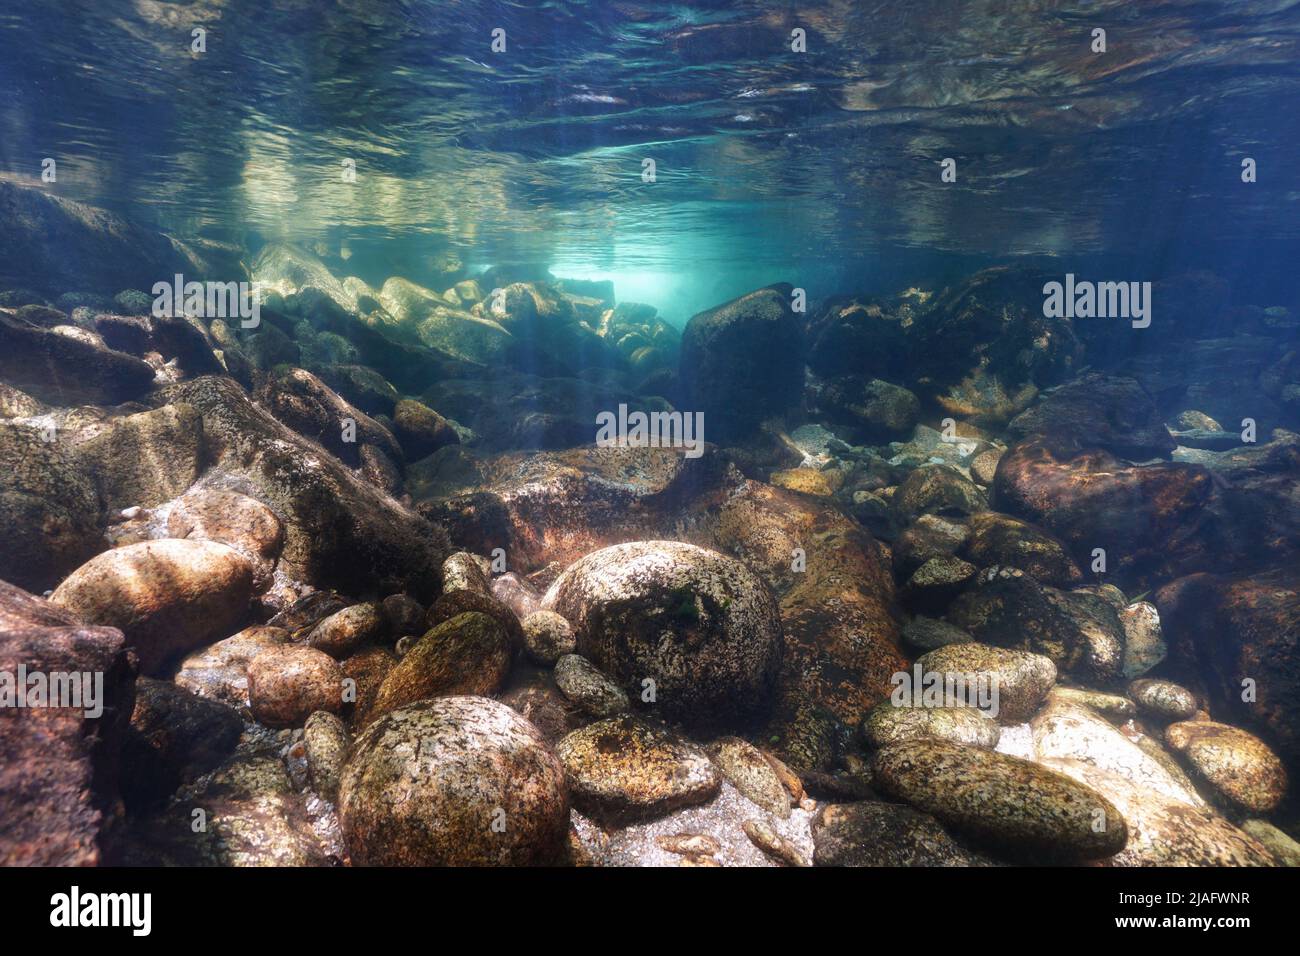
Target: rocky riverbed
(363, 590)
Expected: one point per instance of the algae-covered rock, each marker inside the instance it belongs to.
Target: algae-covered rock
(1239, 765)
(48, 506)
(166, 596)
(466, 655)
(623, 769)
(287, 683)
(1013, 805)
(1022, 679)
(701, 626)
(457, 781)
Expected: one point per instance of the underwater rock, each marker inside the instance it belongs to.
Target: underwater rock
(1164, 830)
(1098, 410)
(243, 523)
(559, 506)
(18, 404)
(363, 387)
(700, 627)
(253, 818)
(1001, 540)
(587, 688)
(1144, 644)
(175, 736)
(1013, 805)
(514, 410)
(836, 607)
(455, 781)
(420, 429)
(1284, 849)
(468, 654)
(289, 682)
(532, 692)
(1152, 521)
(181, 340)
(1237, 764)
(742, 362)
(1022, 679)
(548, 637)
(874, 411)
(339, 530)
(343, 632)
(454, 603)
(890, 724)
(59, 775)
(166, 596)
(308, 406)
(851, 337)
(66, 371)
(983, 345)
(751, 772)
(929, 537)
(938, 490)
(1164, 700)
(69, 245)
(464, 571)
(1065, 730)
(146, 458)
(326, 740)
(623, 769)
(928, 634)
(879, 834)
(1078, 631)
(1111, 706)
(1226, 631)
(934, 584)
(220, 671)
(402, 615)
(48, 507)
(871, 833)
(368, 668)
(516, 593)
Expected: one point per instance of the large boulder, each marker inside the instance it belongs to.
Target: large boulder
(700, 626)
(1152, 521)
(69, 245)
(623, 769)
(742, 362)
(456, 781)
(59, 766)
(166, 596)
(1098, 410)
(66, 370)
(339, 530)
(1012, 805)
(311, 408)
(1231, 633)
(983, 347)
(48, 506)
(146, 458)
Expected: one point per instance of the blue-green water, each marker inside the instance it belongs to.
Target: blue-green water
(820, 168)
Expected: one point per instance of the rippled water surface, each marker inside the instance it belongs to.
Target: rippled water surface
(766, 159)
